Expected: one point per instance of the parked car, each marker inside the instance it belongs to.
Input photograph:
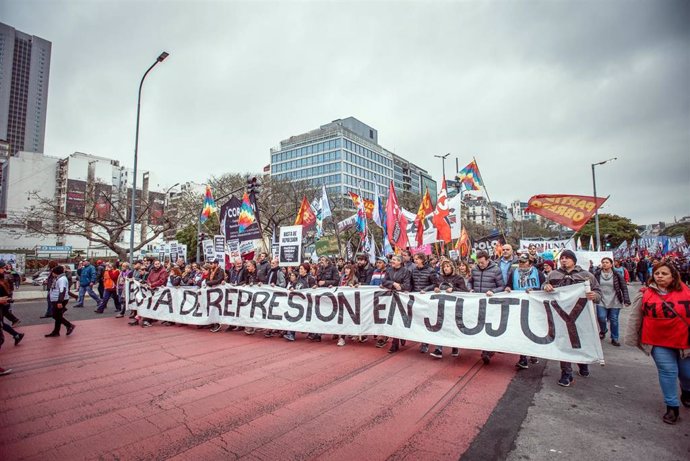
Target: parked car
(40, 278)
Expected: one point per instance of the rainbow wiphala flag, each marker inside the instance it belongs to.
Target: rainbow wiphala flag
(469, 177)
(246, 217)
(209, 205)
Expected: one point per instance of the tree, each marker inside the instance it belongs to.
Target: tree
(678, 229)
(103, 218)
(615, 228)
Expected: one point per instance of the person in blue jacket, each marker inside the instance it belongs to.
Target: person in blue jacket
(87, 278)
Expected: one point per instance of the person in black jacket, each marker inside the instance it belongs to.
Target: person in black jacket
(449, 282)
(487, 278)
(236, 272)
(216, 276)
(327, 274)
(364, 269)
(423, 280)
(397, 278)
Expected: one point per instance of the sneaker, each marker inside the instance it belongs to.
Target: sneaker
(602, 335)
(455, 352)
(167, 323)
(133, 323)
(16, 323)
(249, 331)
(583, 371)
(98, 311)
(70, 329)
(533, 360)
(565, 380)
(5, 371)
(146, 324)
(615, 342)
(394, 348)
(424, 348)
(437, 354)
(685, 398)
(215, 328)
(120, 315)
(18, 339)
(671, 416)
(363, 339)
(522, 364)
(289, 336)
(403, 342)
(380, 343)
(52, 335)
(486, 358)
(341, 342)
(268, 334)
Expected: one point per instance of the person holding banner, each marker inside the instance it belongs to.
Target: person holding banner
(568, 274)
(423, 280)
(398, 278)
(303, 281)
(449, 282)
(487, 278)
(525, 278)
(614, 295)
(349, 279)
(659, 324)
(465, 272)
(215, 277)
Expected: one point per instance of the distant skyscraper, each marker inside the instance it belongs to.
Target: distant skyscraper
(24, 74)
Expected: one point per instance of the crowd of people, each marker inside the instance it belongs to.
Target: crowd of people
(661, 330)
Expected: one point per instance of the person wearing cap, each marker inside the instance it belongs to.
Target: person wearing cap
(379, 271)
(568, 274)
(525, 278)
(87, 278)
(548, 267)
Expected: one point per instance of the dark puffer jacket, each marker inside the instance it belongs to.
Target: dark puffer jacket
(455, 282)
(401, 276)
(489, 279)
(423, 279)
(329, 275)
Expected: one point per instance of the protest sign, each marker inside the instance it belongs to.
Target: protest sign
(560, 325)
(229, 214)
(548, 245)
(487, 244)
(290, 245)
(208, 249)
(219, 247)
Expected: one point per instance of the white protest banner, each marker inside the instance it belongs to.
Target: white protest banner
(561, 325)
(548, 245)
(290, 246)
(234, 248)
(173, 250)
(182, 252)
(347, 223)
(208, 250)
(584, 257)
(429, 235)
(219, 247)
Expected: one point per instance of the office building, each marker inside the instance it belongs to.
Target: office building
(346, 156)
(24, 75)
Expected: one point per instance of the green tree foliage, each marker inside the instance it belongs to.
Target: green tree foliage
(678, 229)
(616, 227)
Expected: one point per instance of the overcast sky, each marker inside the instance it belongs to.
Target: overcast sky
(536, 91)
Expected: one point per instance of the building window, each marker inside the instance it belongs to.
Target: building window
(371, 134)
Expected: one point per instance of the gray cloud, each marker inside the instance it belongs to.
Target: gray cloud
(536, 91)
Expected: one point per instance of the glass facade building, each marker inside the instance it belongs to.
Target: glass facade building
(345, 156)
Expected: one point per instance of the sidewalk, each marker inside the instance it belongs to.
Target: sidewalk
(613, 414)
(28, 292)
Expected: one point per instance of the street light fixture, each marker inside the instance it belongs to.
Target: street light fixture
(160, 58)
(443, 162)
(596, 211)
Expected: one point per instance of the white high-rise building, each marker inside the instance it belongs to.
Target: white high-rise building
(24, 75)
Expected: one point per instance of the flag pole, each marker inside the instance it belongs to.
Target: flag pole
(491, 206)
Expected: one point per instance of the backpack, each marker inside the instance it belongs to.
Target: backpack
(108, 283)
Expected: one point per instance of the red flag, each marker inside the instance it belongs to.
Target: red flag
(424, 209)
(368, 204)
(305, 215)
(572, 211)
(397, 224)
(441, 215)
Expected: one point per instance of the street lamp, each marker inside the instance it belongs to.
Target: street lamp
(160, 58)
(596, 211)
(443, 162)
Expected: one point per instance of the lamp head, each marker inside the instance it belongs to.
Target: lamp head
(162, 57)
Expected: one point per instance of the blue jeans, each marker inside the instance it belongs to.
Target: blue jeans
(642, 277)
(610, 315)
(671, 370)
(87, 289)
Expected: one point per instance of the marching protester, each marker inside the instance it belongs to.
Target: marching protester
(348, 279)
(659, 324)
(275, 276)
(537, 260)
(157, 277)
(614, 295)
(364, 269)
(87, 279)
(464, 271)
(303, 280)
(449, 282)
(488, 279)
(423, 280)
(379, 271)
(59, 298)
(236, 272)
(6, 292)
(100, 268)
(110, 277)
(525, 278)
(125, 273)
(215, 277)
(570, 273)
(326, 274)
(507, 261)
(398, 278)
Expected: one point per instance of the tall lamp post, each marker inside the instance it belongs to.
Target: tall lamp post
(596, 211)
(160, 58)
(443, 162)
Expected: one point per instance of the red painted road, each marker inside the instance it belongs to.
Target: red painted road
(116, 392)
